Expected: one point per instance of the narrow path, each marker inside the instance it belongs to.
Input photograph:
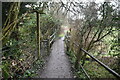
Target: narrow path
(58, 65)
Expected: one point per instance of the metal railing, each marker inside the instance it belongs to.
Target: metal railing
(84, 71)
(102, 64)
(99, 62)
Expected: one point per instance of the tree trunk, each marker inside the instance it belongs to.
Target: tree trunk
(79, 55)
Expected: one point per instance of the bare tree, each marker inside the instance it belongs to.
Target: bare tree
(95, 22)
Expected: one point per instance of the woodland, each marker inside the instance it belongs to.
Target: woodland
(29, 30)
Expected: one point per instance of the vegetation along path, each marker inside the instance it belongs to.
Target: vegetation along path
(58, 65)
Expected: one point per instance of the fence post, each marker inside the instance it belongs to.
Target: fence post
(66, 42)
(48, 44)
(38, 33)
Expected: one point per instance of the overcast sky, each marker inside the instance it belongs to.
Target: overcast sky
(97, 1)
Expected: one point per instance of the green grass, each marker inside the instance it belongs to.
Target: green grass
(61, 35)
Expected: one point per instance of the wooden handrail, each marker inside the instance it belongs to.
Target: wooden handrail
(52, 40)
(53, 34)
(52, 37)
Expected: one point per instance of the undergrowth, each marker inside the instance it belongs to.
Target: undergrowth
(93, 69)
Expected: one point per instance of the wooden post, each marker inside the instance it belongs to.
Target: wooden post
(38, 34)
(48, 44)
(38, 12)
